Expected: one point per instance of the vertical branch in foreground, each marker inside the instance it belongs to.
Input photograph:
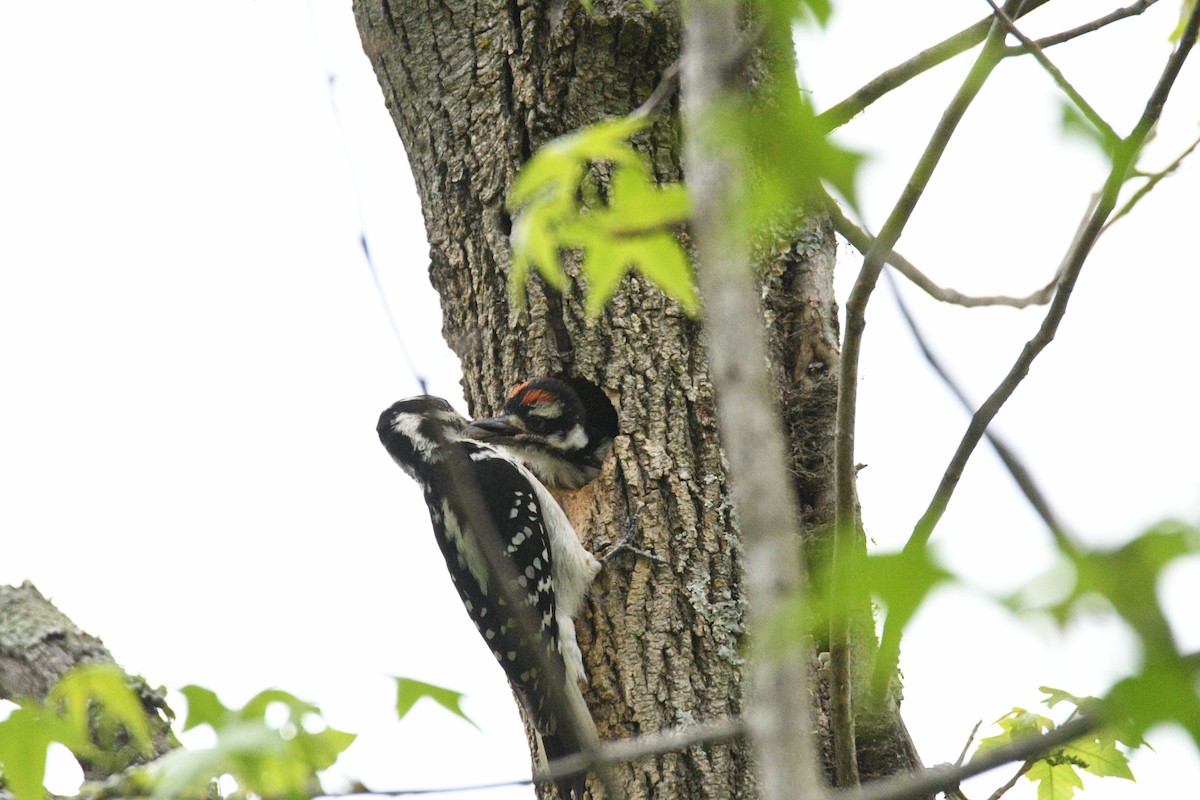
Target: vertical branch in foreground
(845, 526)
(752, 438)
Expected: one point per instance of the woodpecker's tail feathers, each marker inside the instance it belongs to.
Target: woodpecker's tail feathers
(571, 787)
(566, 741)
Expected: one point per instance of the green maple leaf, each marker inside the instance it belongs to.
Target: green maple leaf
(1054, 781)
(409, 691)
(560, 208)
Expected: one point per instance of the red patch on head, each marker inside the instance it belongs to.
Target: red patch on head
(516, 391)
(537, 397)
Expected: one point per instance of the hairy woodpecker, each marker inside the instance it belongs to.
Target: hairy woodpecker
(553, 571)
(560, 429)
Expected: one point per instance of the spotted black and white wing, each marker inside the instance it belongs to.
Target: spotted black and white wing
(516, 514)
(552, 569)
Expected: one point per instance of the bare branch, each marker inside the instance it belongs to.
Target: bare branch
(668, 84)
(610, 752)
(937, 779)
(903, 787)
(845, 513)
(1089, 27)
(1020, 473)
(1153, 180)
(889, 641)
(844, 111)
(862, 241)
(1073, 262)
(897, 76)
(762, 492)
(1060, 80)
(967, 745)
(1011, 782)
(1124, 156)
(651, 744)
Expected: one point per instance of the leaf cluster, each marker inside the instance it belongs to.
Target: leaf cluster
(790, 158)
(272, 747)
(591, 192)
(1124, 579)
(1057, 774)
(270, 755)
(559, 204)
(92, 710)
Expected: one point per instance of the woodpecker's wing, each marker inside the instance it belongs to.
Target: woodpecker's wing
(516, 515)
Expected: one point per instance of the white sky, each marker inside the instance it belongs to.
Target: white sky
(194, 356)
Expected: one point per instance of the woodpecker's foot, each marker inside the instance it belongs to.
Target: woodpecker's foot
(626, 544)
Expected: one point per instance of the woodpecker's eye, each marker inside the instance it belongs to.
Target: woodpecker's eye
(536, 424)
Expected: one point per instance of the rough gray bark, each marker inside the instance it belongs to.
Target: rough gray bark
(473, 89)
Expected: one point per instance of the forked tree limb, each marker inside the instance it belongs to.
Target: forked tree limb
(1088, 27)
(1073, 265)
(1124, 157)
(842, 112)
(862, 241)
(889, 80)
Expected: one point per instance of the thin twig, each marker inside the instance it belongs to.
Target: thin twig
(889, 640)
(934, 779)
(363, 236)
(955, 792)
(1153, 180)
(615, 751)
(1020, 473)
(900, 787)
(967, 746)
(1088, 27)
(470, 787)
(897, 76)
(844, 111)
(1011, 782)
(845, 513)
(940, 778)
(620, 751)
(667, 86)
(862, 241)
(1055, 73)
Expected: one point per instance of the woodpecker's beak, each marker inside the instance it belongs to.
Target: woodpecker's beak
(487, 430)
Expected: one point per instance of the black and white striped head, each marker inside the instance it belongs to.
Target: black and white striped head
(549, 427)
(412, 429)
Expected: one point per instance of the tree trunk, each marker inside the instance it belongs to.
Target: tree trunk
(474, 89)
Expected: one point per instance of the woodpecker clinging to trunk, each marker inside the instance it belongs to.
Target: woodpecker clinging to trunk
(551, 569)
